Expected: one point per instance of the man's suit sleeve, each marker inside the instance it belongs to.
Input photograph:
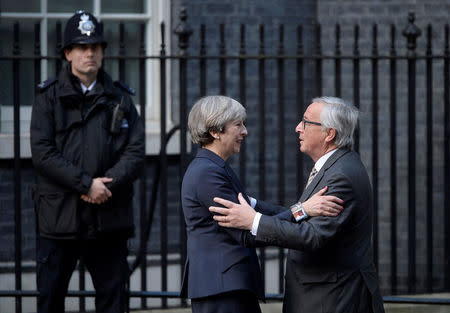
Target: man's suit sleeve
(216, 184)
(315, 232)
(270, 209)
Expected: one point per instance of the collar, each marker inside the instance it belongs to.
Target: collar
(205, 153)
(91, 86)
(320, 162)
(70, 85)
(329, 159)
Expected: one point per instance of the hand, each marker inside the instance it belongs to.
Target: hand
(98, 193)
(322, 205)
(234, 215)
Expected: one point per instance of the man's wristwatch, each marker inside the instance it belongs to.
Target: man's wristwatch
(298, 212)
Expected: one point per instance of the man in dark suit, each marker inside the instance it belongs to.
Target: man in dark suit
(330, 262)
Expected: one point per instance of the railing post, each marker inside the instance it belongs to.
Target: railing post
(17, 178)
(337, 62)
(375, 141)
(37, 53)
(183, 31)
(142, 181)
(356, 71)
(261, 133)
(202, 62)
(58, 48)
(300, 99)
(121, 51)
(446, 99)
(318, 55)
(281, 138)
(393, 158)
(243, 99)
(429, 73)
(163, 165)
(411, 32)
(222, 62)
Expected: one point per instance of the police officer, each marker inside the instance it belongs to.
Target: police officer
(87, 144)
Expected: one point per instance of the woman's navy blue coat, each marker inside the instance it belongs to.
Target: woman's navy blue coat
(219, 259)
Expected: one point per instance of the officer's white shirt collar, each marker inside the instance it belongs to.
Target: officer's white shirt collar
(321, 161)
(84, 88)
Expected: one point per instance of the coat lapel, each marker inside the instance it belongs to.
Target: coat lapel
(312, 186)
(234, 180)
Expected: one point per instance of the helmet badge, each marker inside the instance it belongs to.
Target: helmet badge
(85, 25)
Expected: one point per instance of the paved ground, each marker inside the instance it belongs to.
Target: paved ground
(390, 308)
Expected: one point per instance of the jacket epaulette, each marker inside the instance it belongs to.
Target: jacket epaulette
(125, 87)
(45, 84)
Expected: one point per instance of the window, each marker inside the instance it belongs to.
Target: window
(45, 14)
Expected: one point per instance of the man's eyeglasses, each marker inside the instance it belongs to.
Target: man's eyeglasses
(305, 121)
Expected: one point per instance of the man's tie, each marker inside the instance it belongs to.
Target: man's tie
(311, 176)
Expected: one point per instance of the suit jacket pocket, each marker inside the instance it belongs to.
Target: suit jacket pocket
(318, 277)
(57, 213)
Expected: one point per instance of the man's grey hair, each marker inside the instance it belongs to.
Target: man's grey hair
(212, 113)
(341, 116)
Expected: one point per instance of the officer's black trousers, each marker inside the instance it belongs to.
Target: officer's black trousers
(105, 260)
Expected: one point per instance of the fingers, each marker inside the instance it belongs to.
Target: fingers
(241, 198)
(88, 199)
(105, 191)
(333, 199)
(332, 212)
(222, 221)
(218, 210)
(105, 179)
(332, 209)
(223, 218)
(220, 218)
(223, 202)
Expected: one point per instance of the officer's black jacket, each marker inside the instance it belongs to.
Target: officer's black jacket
(71, 143)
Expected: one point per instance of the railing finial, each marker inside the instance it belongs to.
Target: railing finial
(183, 31)
(411, 32)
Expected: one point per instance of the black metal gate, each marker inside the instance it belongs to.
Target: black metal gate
(309, 71)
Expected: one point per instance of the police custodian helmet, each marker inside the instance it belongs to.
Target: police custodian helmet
(83, 28)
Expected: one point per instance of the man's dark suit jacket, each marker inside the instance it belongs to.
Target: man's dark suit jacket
(219, 259)
(330, 263)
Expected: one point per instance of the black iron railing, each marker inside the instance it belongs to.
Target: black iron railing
(307, 65)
